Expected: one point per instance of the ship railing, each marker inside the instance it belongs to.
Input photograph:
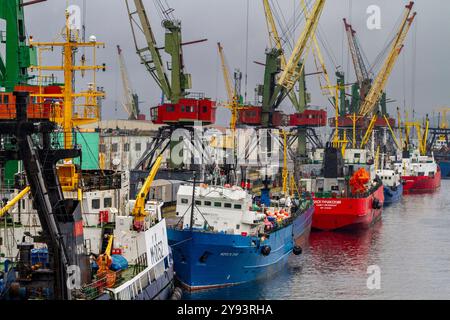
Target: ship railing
(98, 287)
(131, 289)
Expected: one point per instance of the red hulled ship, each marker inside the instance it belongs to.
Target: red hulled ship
(343, 203)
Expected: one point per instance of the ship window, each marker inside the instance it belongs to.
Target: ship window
(198, 203)
(114, 147)
(107, 202)
(126, 147)
(238, 206)
(102, 148)
(184, 201)
(95, 203)
(137, 147)
(207, 203)
(170, 108)
(182, 108)
(238, 226)
(227, 205)
(5, 99)
(205, 109)
(218, 204)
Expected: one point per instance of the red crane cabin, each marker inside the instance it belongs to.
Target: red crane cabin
(186, 111)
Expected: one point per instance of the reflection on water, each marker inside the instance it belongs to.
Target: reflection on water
(410, 245)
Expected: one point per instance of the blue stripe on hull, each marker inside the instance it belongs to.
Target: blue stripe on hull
(445, 169)
(392, 196)
(206, 260)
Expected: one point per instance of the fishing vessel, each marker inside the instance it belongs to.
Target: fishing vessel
(348, 195)
(420, 173)
(393, 185)
(225, 238)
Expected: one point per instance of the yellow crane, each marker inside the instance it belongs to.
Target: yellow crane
(380, 81)
(233, 96)
(138, 211)
(291, 72)
(422, 133)
(369, 131)
(14, 200)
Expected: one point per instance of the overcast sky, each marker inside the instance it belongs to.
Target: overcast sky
(420, 78)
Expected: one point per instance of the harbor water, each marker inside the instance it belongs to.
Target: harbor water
(409, 248)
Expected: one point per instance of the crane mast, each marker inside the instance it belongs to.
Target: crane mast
(131, 102)
(380, 81)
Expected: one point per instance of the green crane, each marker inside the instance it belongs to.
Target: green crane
(175, 89)
(18, 55)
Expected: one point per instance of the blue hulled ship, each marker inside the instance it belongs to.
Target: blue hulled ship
(224, 238)
(392, 186)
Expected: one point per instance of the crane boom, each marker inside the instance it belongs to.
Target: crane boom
(380, 81)
(226, 75)
(129, 103)
(139, 206)
(358, 62)
(318, 54)
(150, 56)
(291, 73)
(275, 40)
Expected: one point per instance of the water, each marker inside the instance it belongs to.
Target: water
(410, 245)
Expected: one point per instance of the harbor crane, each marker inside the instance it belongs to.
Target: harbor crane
(373, 96)
(361, 71)
(131, 99)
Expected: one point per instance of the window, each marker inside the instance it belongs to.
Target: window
(107, 202)
(205, 109)
(114, 147)
(149, 144)
(238, 206)
(95, 203)
(238, 226)
(198, 203)
(185, 201)
(218, 204)
(170, 108)
(137, 147)
(102, 148)
(227, 205)
(5, 99)
(207, 203)
(182, 108)
(357, 155)
(126, 147)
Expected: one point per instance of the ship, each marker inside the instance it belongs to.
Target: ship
(225, 238)
(421, 173)
(342, 202)
(393, 185)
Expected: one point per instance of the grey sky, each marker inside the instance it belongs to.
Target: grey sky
(225, 21)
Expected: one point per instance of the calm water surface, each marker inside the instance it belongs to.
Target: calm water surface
(410, 245)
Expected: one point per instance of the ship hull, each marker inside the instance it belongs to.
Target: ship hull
(422, 184)
(392, 195)
(301, 227)
(445, 169)
(347, 213)
(206, 260)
